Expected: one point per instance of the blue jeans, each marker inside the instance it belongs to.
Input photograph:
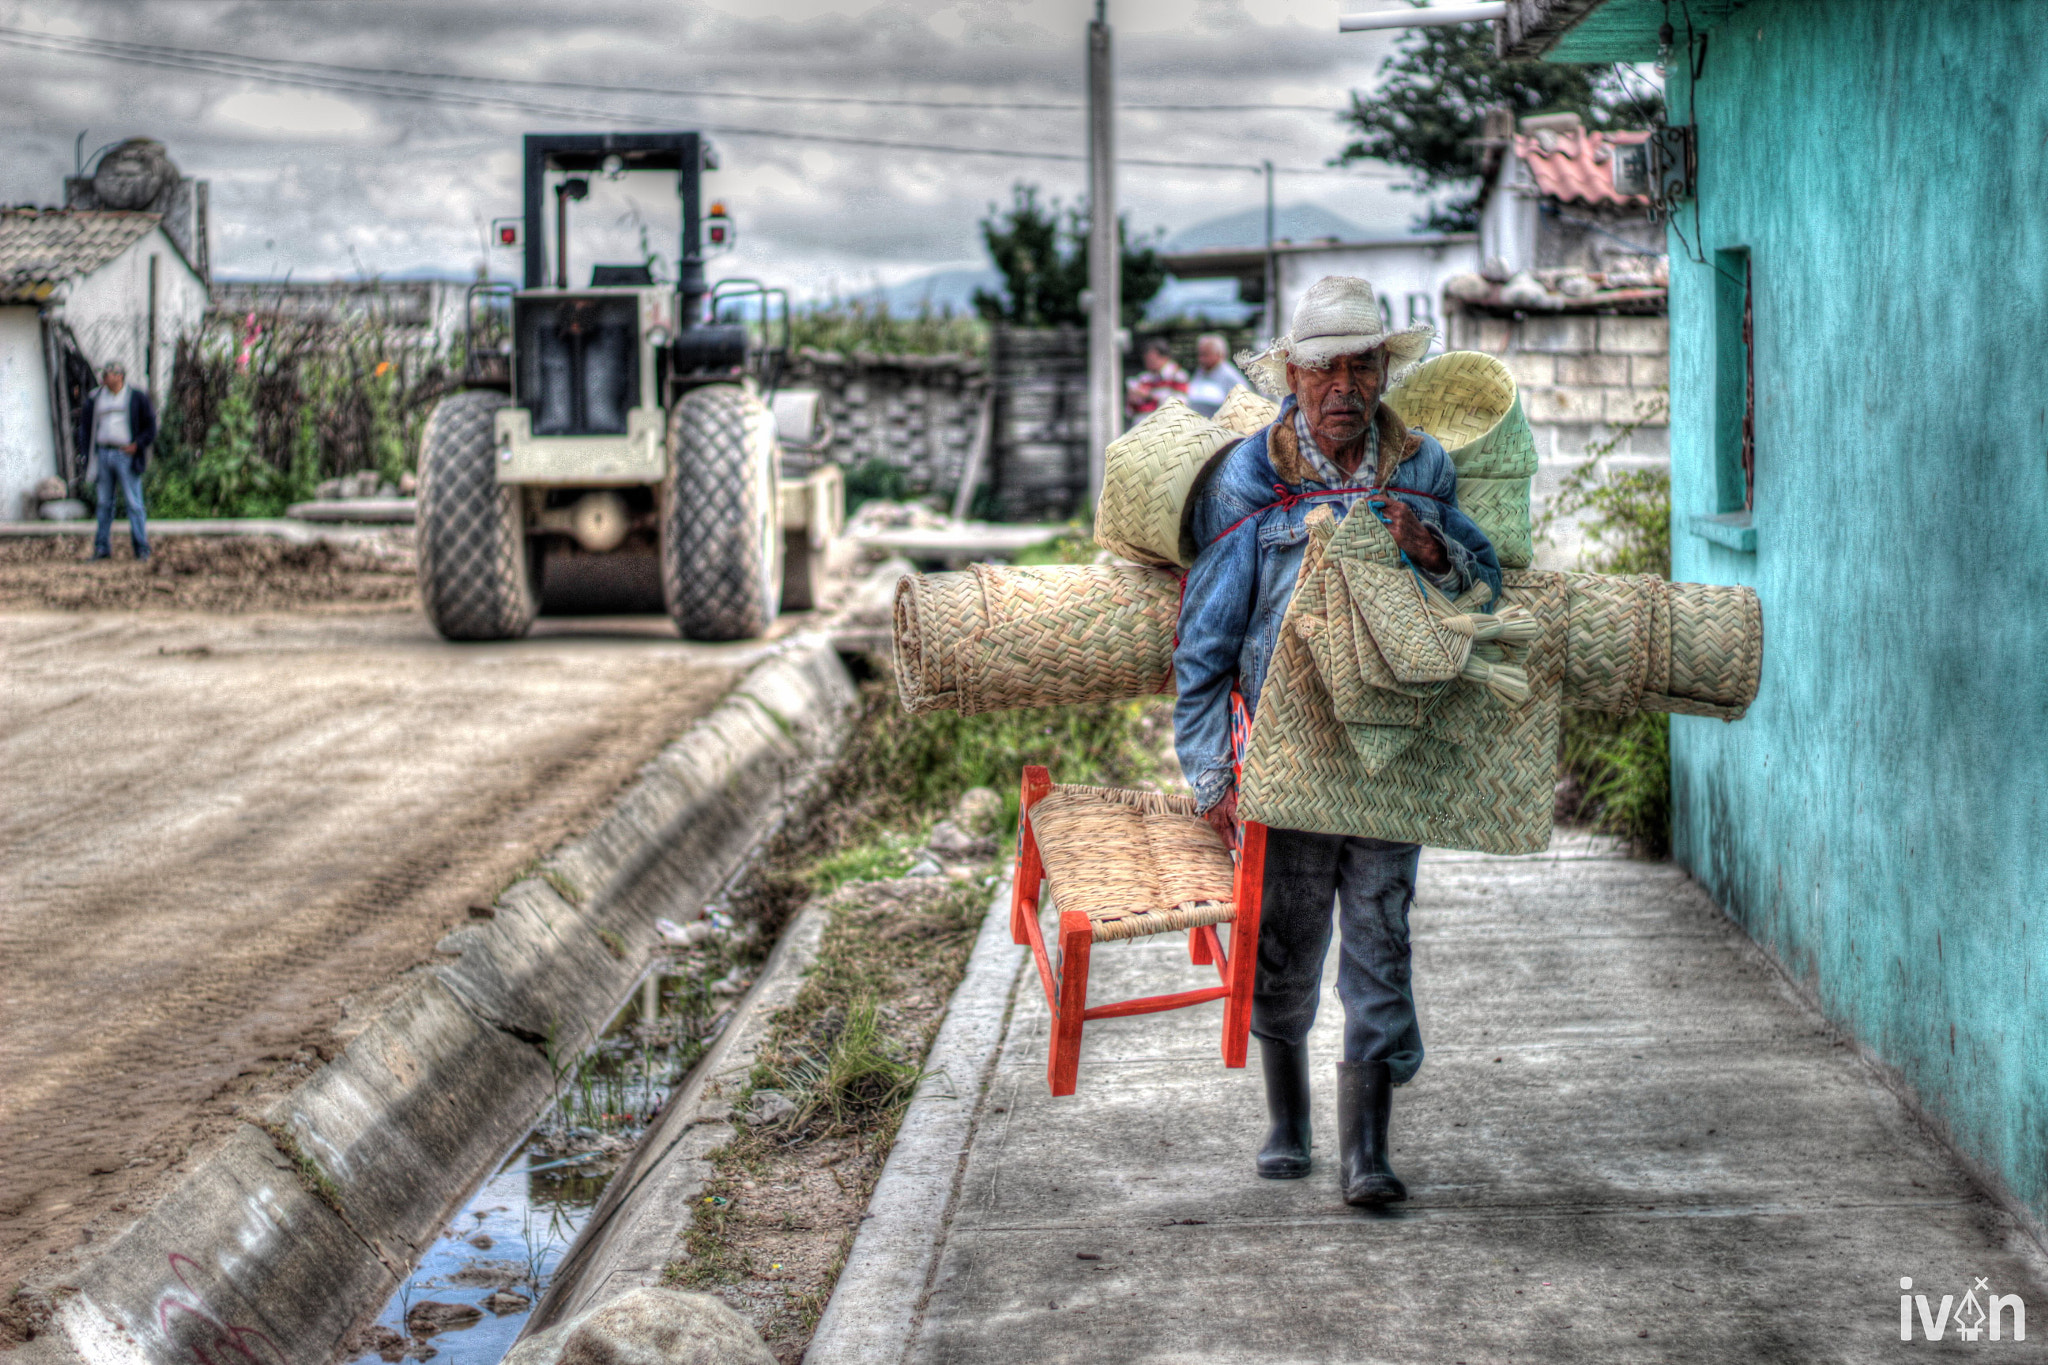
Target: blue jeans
(1373, 884)
(119, 464)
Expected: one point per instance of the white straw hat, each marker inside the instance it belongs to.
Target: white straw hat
(1339, 315)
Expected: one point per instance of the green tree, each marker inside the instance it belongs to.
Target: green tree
(1042, 253)
(1436, 89)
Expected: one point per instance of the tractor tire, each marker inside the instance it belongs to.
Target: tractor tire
(721, 524)
(475, 568)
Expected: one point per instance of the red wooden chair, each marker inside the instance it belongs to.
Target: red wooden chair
(1124, 864)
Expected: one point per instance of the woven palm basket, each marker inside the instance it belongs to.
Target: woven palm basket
(1134, 862)
(1245, 412)
(1146, 475)
(996, 637)
(1469, 402)
(1467, 772)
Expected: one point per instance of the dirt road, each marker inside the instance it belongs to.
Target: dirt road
(217, 829)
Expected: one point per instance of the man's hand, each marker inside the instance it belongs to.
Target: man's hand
(128, 449)
(1415, 538)
(1222, 817)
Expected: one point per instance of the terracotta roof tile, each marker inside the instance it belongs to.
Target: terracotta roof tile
(40, 249)
(1575, 166)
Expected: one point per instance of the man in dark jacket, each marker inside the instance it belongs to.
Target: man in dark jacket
(1333, 445)
(117, 426)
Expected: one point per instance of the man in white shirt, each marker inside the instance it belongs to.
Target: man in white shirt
(116, 426)
(1214, 376)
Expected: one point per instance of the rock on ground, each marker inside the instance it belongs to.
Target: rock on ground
(648, 1327)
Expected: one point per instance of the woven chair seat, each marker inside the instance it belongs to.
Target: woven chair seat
(1134, 862)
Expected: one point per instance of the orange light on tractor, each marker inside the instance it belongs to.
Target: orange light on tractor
(718, 227)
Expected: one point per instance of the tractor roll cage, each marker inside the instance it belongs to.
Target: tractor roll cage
(687, 154)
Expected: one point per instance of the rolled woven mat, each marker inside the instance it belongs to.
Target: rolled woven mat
(995, 637)
(1637, 642)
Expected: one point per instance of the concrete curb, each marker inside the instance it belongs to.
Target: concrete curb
(311, 1214)
(874, 1306)
(636, 1229)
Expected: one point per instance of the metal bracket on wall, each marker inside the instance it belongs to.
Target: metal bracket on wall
(1663, 168)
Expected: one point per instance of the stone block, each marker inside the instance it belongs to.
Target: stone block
(1635, 336)
(1649, 371)
(1592, 369)
(1640, 406)
(1651, 441)
(1485, 334)
(1531, 369)
(1564, 404)
(1556, 334)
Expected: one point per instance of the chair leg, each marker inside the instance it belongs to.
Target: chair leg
(1030, 871)
(1244, 942)
(1198, 949)
(1077, 937)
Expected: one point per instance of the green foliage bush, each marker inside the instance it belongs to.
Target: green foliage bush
(261, 412)
(1620, 765)
(1042, 252)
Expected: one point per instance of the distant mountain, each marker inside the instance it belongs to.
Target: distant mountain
(1291, 223)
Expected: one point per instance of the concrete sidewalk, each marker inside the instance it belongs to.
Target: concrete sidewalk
(1630, 1142)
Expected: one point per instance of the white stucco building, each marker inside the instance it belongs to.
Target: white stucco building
(80, 288)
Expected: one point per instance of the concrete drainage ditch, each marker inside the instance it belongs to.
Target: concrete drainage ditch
(278, 1245)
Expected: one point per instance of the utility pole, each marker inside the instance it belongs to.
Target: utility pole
(1105, 256)
(1272, 263)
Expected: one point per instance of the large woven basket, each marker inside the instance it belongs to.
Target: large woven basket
(1245, 412)
(1146, 475)
(996, 637)
(1469, 402)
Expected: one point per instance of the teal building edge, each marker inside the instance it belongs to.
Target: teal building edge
(1877, 821)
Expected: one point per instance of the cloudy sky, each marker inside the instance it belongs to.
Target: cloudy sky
(327, 178)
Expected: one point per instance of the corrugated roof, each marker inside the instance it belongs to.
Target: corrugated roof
(42, 248)
(1575, 166)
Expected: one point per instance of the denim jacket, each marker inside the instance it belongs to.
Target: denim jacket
(1250, 552)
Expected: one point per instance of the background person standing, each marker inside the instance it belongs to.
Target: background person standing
(116, 427)
(1162, 379)
(1214, 375)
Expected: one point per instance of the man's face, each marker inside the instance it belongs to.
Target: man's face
(1208, 355)
(1338, 400)
(1158, 358)
(114, 380)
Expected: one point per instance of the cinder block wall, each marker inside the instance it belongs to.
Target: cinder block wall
(916, 412)
(1590, 385)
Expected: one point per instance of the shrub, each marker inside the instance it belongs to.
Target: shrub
(1617, 769)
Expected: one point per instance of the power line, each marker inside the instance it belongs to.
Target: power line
(277, 73)
(403, 73)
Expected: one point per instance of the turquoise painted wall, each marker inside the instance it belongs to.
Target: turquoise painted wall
(1878, 822)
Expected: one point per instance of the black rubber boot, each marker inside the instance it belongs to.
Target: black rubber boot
(1365, 1100)
(1285, 1155)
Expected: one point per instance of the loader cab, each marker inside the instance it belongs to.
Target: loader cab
(614, 447)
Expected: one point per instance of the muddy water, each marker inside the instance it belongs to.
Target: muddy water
(469, 1297)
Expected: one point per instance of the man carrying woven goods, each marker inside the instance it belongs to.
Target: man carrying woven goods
(1334, 445)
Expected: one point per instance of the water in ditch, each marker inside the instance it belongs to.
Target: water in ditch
(470, 1295)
